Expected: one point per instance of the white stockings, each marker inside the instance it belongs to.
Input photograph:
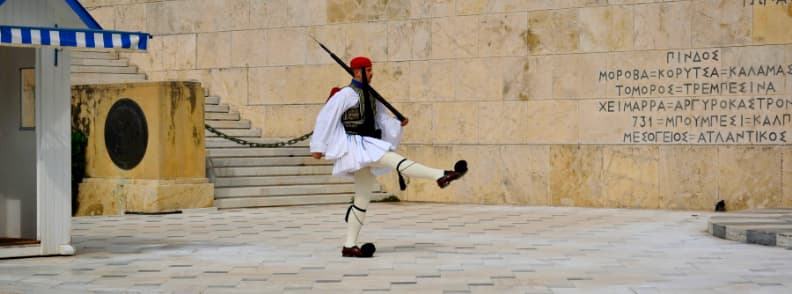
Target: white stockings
(364, 184)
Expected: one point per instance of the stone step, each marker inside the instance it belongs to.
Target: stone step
(217, 108)
(94, 54)
(291, 200)
(257, 152)
(229, 192)
(229, 124)
(99, 62)
(217, 142)
(211, 100)
(266, 161)
(278, 180)
(75, 81)
(239, 133)
(233, 115)
(281, 201)
(108, 76)
(271, 171)
(104, 69)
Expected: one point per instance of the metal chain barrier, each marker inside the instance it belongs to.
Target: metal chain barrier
(258, 145)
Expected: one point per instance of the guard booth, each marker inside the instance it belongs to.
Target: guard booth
(36, 38)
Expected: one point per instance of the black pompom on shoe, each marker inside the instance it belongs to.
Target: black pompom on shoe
(368, 250)
(460, 168)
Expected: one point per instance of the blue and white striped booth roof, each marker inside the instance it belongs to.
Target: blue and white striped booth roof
(78, 38)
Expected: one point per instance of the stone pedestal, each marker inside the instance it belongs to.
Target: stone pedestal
(171, 173)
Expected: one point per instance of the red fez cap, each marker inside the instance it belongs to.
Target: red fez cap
(359, 62)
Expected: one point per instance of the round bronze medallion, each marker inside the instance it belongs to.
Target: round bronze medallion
(126, 133)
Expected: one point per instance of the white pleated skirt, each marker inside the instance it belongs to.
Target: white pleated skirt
(361, 152)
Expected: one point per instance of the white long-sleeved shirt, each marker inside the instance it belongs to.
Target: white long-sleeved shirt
(352, 152)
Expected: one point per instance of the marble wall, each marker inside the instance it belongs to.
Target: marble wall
(605, 103)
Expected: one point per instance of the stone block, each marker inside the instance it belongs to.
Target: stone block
(526, 174)
(229, 83)
(306, 12)
(630, 176)
(602, 127)
(268, 13)
(755, 57)
(431, 9)
(174, 116)
(174, 158)
(454, 37)
(420, 129)
(105, 16)
(470, 7)
(784, 240)
(478, 79)
(786, 176)
(333, 37)
(527, 78)
(749, 177)
(663, 26)
(178, 17)
(553, 32)
(282, 121)
(688, 177)
(606, 28)
(100, 196)
(273, 91)
(177, 52)
(788, 51)
(214, 50)
(771, 23)
(409, 40)
(503, 122)
(575, 76)
(249, 48)
(534, 122)
(551, 122)
(456, 123)
(484, 182)
(345, 11)
(146, 61)
(649, 62)
(366, 39)
(287, 84)
(431, 81)
(503, 35)
(285, 46)
(392, 80)
(130, 18)
(576, 175)
(721, 23)
(436, 156)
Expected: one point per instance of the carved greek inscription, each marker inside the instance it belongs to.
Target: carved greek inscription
(765, 2)
(695, 99)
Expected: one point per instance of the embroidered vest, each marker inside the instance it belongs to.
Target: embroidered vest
(360, 120)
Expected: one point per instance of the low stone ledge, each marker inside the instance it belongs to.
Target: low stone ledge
(769, 227)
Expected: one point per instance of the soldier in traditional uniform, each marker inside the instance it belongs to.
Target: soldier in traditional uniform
(354, 130)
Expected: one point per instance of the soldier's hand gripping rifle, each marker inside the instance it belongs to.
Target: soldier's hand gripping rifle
(376, 95)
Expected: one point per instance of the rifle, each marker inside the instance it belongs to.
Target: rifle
(377, 96)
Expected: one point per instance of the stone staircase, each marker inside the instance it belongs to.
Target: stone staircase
(98, 67)
(243, 177)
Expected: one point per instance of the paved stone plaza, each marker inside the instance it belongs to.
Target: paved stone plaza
(422, 248)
